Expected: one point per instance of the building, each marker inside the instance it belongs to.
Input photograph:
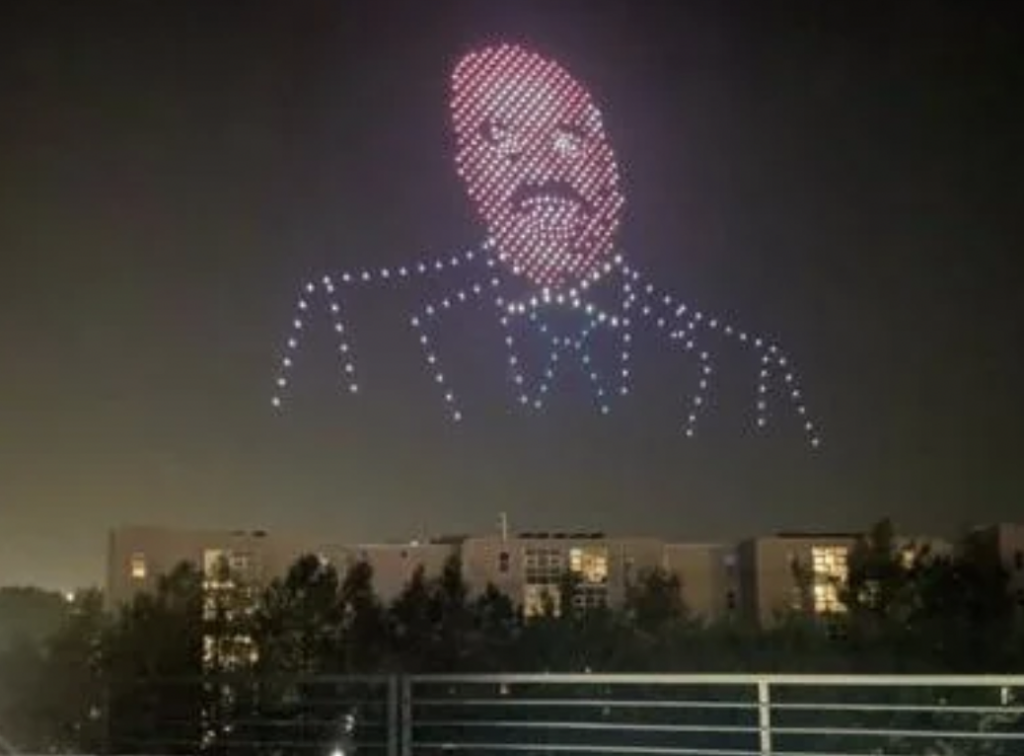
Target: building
(532, 567)
(788, 570)
(755, 579)
(529, 567)
(709, 574)
(138, 556)
(791, 571)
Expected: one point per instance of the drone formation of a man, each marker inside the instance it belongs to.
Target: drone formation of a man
(532, 151)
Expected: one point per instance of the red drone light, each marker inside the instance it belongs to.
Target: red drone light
(537, 164)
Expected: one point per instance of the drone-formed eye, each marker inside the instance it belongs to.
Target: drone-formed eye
(569, 140)
(495, 132)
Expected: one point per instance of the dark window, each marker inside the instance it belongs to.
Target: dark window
(1018, 560)
(503, 561)
(730, 601)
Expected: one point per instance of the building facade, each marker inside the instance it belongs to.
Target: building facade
(531, 567)
(138, 556)
(792, 571)
(755, 579)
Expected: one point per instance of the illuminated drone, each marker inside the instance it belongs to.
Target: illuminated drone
(537, 164)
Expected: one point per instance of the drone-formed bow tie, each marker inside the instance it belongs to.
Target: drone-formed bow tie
(546, 341)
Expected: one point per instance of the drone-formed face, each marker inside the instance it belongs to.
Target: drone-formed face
(537, 164)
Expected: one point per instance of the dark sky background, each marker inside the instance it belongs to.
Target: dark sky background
(845, 176)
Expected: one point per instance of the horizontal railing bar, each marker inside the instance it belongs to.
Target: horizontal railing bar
(365, 724)
(228, 677)
(911, 708)
(821, 753)
(332, 679)
(693, 704)
(577, 678)
(652, 750)
(587, 703)
(532, 724)
(876, 733)
(234, 722)
(224, 743)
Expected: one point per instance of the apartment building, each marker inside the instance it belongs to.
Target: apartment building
(709, 574)
(754, 579)
(138, 556)
(529, 567)
(776, 571)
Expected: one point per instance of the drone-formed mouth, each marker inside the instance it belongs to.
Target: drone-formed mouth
(553, 196)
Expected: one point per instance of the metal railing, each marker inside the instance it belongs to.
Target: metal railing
(236, 715)
(712, 715)
(576, 714)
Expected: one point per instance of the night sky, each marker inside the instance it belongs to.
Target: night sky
(845, 177)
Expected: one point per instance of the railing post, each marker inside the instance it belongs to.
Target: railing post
(764, 717)
(405, 715)
(393, 715)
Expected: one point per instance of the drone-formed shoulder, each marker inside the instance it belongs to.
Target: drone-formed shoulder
(697, 332)
(327, 293)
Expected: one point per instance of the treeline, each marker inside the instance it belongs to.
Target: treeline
(109, 681)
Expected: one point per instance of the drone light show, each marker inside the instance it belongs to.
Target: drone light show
(538, 167)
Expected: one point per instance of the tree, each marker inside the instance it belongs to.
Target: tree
(431, 623)
(21, 676)
(154, 665)
(364, 624)
(28, 618)
(496, 628)
(655, 602)
(30, 615)
(411, 624)
(72, 696)
(452, 618)
(299, 625)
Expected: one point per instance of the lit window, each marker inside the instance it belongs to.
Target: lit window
(240, 563)
(541, 600)
(830, 572)
(591, 564)
(138, 566)
(212, 559)
(543, 566)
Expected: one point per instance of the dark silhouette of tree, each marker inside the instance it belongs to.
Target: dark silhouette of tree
(654, 603)
(496, 629)
(73, 690)
(30, 615)
(411, 625)
(966, 615)
(154, 664)
(22, 672)
(364, 624)
(452, 617)
(431, 622)
(299, 627)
